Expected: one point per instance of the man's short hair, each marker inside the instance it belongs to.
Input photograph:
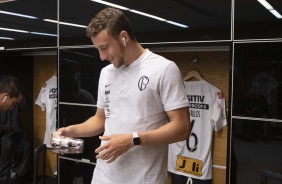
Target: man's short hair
(11, 85)
(112, 20)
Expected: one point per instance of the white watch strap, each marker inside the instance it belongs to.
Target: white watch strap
(134, 134)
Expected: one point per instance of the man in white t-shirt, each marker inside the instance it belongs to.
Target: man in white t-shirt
(141, 108)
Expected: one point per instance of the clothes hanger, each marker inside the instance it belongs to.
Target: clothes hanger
(194, 73)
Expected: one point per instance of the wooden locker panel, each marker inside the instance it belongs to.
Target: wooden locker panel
(43, 68)
(219, 176)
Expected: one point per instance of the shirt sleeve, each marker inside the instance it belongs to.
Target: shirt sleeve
(219, 115)
(41, 101)
(173, 94)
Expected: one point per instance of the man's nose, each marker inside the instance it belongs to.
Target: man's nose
(103, 56)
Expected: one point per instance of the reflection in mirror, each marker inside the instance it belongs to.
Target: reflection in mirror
(23, 23)
(79, 71)
(257, 80)
(256, 113)
(257, 147)
(75, 172)
(69, 170)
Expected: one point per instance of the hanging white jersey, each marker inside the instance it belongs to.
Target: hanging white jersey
(192, 157)
(47, 100)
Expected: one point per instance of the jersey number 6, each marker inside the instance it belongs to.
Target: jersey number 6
(192, 134)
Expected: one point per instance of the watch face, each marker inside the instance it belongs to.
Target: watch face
(136, 141)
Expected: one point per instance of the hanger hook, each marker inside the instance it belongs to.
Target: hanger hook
(194, 61)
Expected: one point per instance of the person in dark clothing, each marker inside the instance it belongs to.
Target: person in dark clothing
(15, 149)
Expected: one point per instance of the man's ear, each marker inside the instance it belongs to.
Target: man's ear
(124, 34)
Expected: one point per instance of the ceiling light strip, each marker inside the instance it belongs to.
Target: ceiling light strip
(265, 4)
(111, 4)
(140, 13)
(44, 34)
(47, 20)
(270, 8)
(18, 14)
(147, 15)
(276, 14)
(14, 30)
(65, 23)
(177, 24)
(23, 31)
(5, 1)
(6, 38)
(82, 54)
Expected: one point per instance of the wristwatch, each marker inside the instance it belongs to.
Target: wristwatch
(136, 139)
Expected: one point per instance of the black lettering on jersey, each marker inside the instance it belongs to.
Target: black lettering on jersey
(195, 113)
(196, 98)
(192, 136)
(53, 93)
(53, 90)
(183, 164)
(107, 92)
(195, 167)
(199, 106)
(52, 96)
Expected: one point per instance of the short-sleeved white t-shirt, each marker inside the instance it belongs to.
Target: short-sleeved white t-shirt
(47, 100)
(135, 98)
